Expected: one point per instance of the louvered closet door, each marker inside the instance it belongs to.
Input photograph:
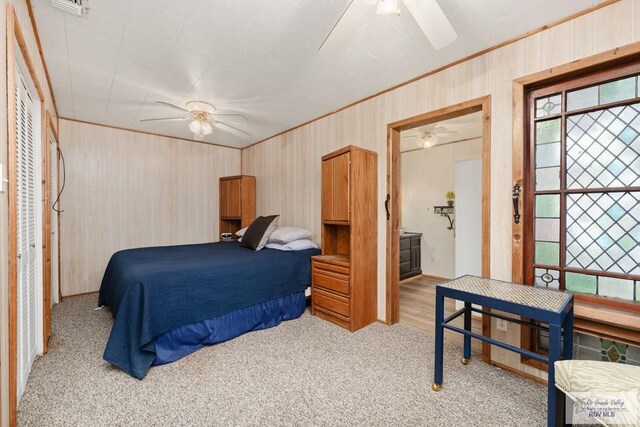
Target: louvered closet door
(53, 195)
(25, 152)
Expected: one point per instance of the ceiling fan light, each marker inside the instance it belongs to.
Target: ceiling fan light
(428, 141)
(196, 127)
(387, 7)
(206, 128)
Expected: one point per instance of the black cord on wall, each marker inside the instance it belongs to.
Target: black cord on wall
(64, 181)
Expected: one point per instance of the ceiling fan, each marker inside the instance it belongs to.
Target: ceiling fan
(203, 118)
(427, 14)
(429, 138)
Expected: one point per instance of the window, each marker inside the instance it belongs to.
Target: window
(583, 187)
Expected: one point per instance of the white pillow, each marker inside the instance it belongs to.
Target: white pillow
(296, 245)
(240, 232)
(277, 246)
(289, 234)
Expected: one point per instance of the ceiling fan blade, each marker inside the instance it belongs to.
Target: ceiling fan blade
(165, 119)
(231, 129)
(239, 117)
(336, 24)
(168, 104)
(448, 133)
(432, 21)
(410, 136)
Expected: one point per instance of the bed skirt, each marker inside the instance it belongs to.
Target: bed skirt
(181, 342)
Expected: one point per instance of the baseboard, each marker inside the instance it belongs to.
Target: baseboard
(80, 294)
(442, 279)
(518, 372)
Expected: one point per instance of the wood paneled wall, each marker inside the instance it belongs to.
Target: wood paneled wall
(126, 189)
(426, 176)
(287, 166)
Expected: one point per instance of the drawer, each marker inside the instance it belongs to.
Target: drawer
(333, 268)
(405, 256)
(415, 242)
(334, 282)
(332, 303)
(405, 267)
(405, 243)
(332, 317)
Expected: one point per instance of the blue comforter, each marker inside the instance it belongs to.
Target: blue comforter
(153, 290)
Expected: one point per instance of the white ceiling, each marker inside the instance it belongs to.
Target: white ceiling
(257, 57)
(465, 128)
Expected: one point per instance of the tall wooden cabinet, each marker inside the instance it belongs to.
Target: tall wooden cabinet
(344, 278)
(237, 202)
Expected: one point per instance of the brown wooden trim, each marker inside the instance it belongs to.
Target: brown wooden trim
(486, 215)
(49, 130)
(148, 133)
(58, 160)
(46, 233)
(34, 27)
(620, 304)
(81, 294)
(393, 227)
(430, 276)
(18, 37)
(444, 67)
(52, 126)
(13, 220)
(441, 114)
(15, 35)
(518, 162)
(393, 189)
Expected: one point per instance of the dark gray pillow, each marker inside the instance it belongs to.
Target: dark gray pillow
(259, 231)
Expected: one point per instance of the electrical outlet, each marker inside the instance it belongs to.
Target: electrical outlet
(502, 325)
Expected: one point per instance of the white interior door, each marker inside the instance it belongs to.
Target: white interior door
(28, 235)
(468, 189)
(468, 245)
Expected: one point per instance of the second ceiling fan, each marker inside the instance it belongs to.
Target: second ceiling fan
(203, 118)
(427, 13)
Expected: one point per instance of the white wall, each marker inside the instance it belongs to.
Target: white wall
(426, 176)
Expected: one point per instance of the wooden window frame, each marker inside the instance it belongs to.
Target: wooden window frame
(589, 316)
(590, 80)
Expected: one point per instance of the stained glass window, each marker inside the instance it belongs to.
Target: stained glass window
(603, 233)
(603, 148)
(548, 106)
(585, 151)
(547, 278)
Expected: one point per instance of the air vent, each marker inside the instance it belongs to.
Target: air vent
(75, 7)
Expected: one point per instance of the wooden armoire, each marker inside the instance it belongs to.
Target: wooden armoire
(344, 277)
(237, 202)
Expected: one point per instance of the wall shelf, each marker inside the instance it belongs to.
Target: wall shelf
(447, 212)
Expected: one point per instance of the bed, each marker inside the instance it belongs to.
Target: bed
(168, 302)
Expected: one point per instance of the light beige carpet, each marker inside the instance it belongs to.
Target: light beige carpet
(303, 372)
